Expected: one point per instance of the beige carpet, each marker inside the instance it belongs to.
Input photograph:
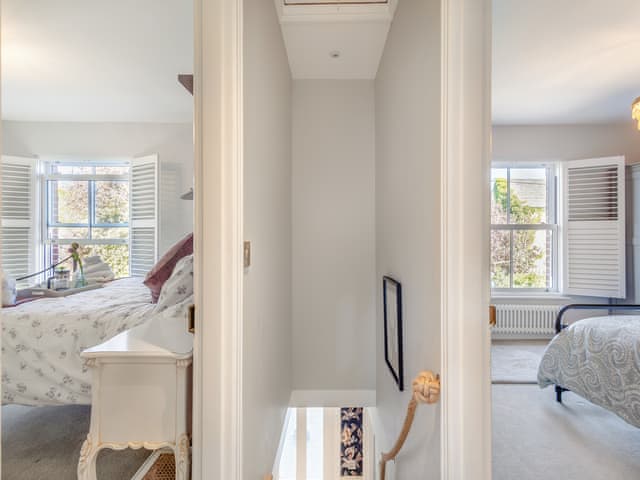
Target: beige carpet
(536, 438)
(44, 444)
(516, 361)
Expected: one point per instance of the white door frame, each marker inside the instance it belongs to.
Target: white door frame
(466, 129)
(466, 133)
(217, 413)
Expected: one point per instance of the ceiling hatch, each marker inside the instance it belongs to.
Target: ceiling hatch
(333, 2)
(335, 39)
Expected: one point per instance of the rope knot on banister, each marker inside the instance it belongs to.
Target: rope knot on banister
(426, 388)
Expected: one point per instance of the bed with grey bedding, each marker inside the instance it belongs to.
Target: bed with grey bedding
(599, 359)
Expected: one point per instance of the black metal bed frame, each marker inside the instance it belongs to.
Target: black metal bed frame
(583, 306)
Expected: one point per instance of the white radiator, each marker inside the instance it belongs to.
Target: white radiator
(525, 321)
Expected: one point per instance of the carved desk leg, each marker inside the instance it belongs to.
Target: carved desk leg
(87, 463)
(183, 460)
(183, 444)
(89, 450)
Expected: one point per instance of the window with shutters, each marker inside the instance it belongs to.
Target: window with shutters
(20, 245)
(88, 203)
(524, 229)
(108, 207)
(594, 227)
(559, 229)
(144, 214)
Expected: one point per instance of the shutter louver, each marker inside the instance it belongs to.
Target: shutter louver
(595, 227)
(18, 216)
(143, 218)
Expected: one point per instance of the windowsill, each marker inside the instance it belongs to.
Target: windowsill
(530, 296)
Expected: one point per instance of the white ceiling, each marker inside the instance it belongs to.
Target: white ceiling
(568, 61)
(70, 60)
(357, 33)
(96, 60)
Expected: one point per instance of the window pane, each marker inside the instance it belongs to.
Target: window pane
(69, 202)
(288, 459)
(314, 443)
(112, 170)
(112, 202)
(116, 256)
(110, 233)
(72, 169)
(498, 195)
(67, 233)
(500, 258)
(528, 195)
(532, 259)
(61, 252)
(58, 253)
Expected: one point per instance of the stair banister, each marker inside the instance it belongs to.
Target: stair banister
(426, 389)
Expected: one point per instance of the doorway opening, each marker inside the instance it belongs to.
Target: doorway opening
(97, 244)
(563, 212)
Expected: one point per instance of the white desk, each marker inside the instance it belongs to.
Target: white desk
(141, 398)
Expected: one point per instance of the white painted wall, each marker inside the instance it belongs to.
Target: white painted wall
(172, 142)
(408, 224)
(333, 235)
(266, 360)
(565, 142)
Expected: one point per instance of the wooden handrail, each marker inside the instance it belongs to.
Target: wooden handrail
(426, 389)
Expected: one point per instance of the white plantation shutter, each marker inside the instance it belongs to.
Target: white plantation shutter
(143, 216)
(594, 233)
(19, 216)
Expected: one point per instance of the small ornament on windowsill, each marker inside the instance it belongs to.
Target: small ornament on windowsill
(78, 279)
(60, 279)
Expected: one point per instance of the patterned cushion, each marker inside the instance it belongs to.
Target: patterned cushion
(179, 285)
(161, 271)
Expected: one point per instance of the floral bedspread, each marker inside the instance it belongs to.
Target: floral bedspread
(599, 359)
(42, 341)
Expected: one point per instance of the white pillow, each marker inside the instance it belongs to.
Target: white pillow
(9, 289)
(178, 286)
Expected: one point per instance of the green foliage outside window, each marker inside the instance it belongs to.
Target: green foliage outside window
(527, 254)
(116, 256)
(111, 204)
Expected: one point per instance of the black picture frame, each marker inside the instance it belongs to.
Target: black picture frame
(393, 354)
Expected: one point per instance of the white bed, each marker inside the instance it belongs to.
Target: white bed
(42, 340)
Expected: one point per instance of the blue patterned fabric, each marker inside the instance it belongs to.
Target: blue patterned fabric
(599, 359)
(351, 444)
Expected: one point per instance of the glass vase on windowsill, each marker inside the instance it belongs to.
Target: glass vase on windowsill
(78, 280)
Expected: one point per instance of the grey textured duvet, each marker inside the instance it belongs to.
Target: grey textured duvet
(599, 359)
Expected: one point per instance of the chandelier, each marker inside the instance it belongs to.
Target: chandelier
(635, 111)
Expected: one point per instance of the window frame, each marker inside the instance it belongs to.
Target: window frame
(91, 179)
(552, 186)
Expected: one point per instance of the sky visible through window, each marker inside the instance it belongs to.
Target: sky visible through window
(314, 443)
(288, 459)
(314, 446)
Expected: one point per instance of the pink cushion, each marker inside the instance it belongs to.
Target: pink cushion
(162, 270)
